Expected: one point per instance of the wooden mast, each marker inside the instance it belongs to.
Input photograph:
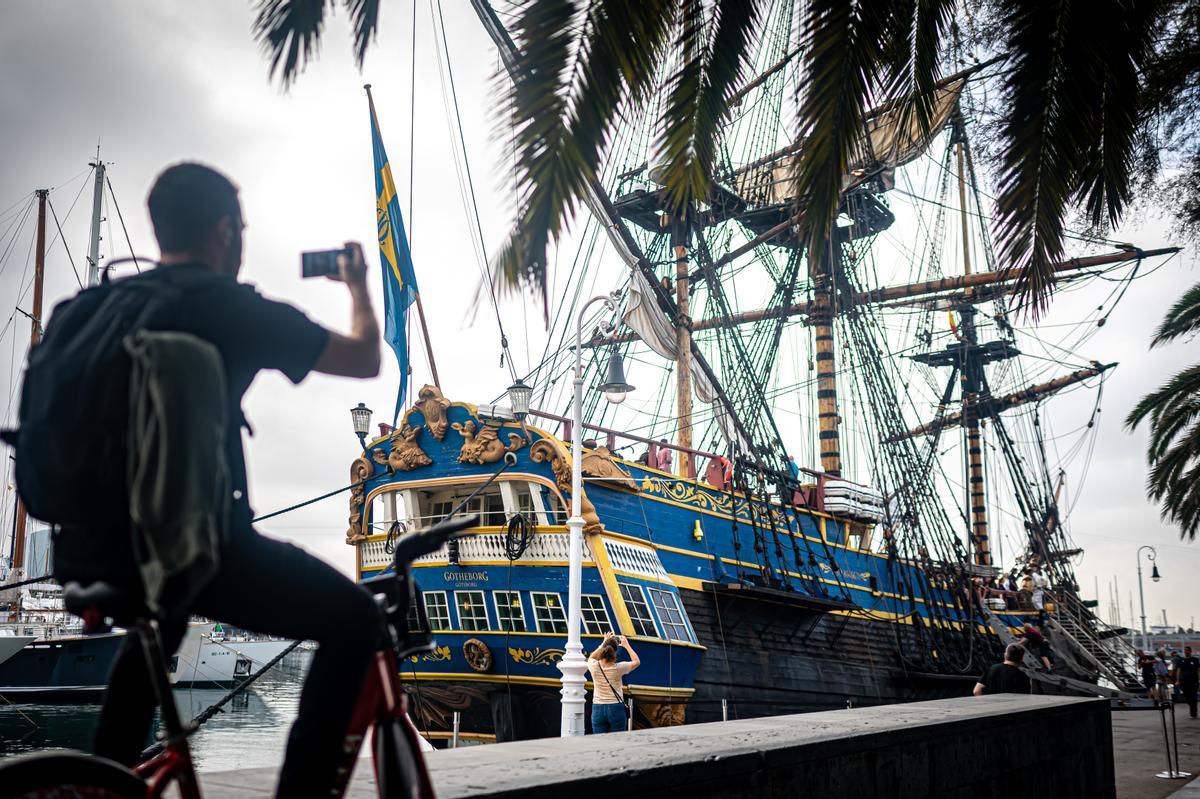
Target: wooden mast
(822, 321)
(683, 346)
(971, 376)
(35, 335)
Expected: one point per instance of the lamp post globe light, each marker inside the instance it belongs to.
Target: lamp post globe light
(1152, 555)
(573, 663)
(360, 415)
(519, 397)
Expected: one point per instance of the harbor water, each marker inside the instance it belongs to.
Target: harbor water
(250, 732)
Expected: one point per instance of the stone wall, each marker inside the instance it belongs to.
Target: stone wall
(974, 748)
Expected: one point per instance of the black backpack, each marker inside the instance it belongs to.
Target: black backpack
(73, 431)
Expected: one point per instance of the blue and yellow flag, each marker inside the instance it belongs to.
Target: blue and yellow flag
(399, 281)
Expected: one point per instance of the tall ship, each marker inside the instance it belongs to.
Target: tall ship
(831, 461)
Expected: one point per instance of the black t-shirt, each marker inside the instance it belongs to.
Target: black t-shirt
(1188, 669)
(1004, 679)
(252, 333)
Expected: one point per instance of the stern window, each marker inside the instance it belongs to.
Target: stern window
(595, 617)
(639, 611)
(509, 611)
(437, 609)
(472, 612)
(549, 613)
(670, 614)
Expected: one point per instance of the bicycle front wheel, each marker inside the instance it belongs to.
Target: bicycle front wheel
(57, 775)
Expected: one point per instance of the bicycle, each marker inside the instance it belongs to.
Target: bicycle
(382, 706)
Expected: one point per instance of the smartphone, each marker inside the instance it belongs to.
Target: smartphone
(318, 263)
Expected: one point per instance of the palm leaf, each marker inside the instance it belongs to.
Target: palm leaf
(700, 93)
(290, 33)
(1182, 319)
(913, 56)
(842, 65)
(364, 18)
(563, 118)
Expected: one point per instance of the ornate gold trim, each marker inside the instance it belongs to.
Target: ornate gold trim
(600, 463)
(485, 446)
(552, 451)
(536, 656)
(478, 656)
(432, 406)
(406, 454)
(360, 470)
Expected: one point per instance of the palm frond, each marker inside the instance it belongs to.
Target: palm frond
(842, 63)
(289, 31)
(364, 18)
(1181, 320)
(563, 118)
(700, 91)
(1106, 184)
(913, 56)
(1177, 393)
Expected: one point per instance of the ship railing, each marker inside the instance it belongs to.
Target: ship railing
(1112, 655)
(716, 467)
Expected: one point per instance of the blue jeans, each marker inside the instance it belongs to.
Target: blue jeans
(608, 718)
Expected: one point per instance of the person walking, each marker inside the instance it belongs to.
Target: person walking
(1187, 676)
(608, 693)
(1006, 677)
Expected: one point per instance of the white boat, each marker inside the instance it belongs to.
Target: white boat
(207, 657)
(11, 644)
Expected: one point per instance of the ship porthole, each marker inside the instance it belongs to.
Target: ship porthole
(478, 656)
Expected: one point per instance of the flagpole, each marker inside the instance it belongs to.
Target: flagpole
(417, 295)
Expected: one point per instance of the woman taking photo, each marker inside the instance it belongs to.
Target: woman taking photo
(608, 694)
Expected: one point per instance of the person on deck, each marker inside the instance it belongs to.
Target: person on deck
(608, 693)
(1006, 677)
(793, 469)
(665, 457)
(260, 584)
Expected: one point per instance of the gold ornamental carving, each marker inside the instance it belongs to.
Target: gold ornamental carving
(661, 714)
(549, 450)
(478, 656)
(406, 454)
(536, 656)
(485, 446)
(599, 463)
(432, 405)
(438, 653)
(360, 470)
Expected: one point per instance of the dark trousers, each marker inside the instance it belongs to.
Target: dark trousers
(1189, 696)
(609, 718)
(273, 588)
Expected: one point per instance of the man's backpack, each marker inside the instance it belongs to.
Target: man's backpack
(74, 411)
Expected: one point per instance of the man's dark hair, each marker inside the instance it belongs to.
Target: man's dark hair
(1014, 653)
(186, 201)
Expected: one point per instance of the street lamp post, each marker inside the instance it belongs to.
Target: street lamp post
(573, 663)
(1155, 576)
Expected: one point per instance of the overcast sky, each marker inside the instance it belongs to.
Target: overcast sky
(156, 83)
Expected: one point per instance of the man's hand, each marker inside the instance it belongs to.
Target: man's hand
(352, 267)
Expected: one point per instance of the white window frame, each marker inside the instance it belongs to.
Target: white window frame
(688, 636)
(445, 606)
(533, 596)
(487, 624)
(600, 626)
(654, 633)
(517, 618)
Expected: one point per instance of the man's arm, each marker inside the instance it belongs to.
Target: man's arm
(979, 688)
(356, 354)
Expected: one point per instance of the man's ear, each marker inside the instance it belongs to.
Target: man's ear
(225, 230)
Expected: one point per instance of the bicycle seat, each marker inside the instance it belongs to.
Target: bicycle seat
(99, 600)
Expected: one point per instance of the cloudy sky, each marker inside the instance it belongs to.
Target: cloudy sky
(155, 83)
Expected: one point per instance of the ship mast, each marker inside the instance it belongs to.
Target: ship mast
(93, 269)
(822, 322)
(683, 345)
(971, 373)
(35, 335)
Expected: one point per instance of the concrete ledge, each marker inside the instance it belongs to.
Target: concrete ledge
(971, 748)
(975, 747)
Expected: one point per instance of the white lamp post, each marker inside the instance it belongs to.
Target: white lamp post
(573, 663)
(1155, 576)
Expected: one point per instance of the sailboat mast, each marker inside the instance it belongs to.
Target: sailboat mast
(683, 345)
(35, 335)
(93, 270)
(971, 375)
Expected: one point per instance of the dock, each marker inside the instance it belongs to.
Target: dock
(955, 747)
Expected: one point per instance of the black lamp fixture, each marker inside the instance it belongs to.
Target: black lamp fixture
(519, 397)
(615, 388)
(360, 415)
(1154, 575)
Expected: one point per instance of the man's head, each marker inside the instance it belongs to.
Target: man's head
(1187, 651)
(197, 217)
(1014, 654)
